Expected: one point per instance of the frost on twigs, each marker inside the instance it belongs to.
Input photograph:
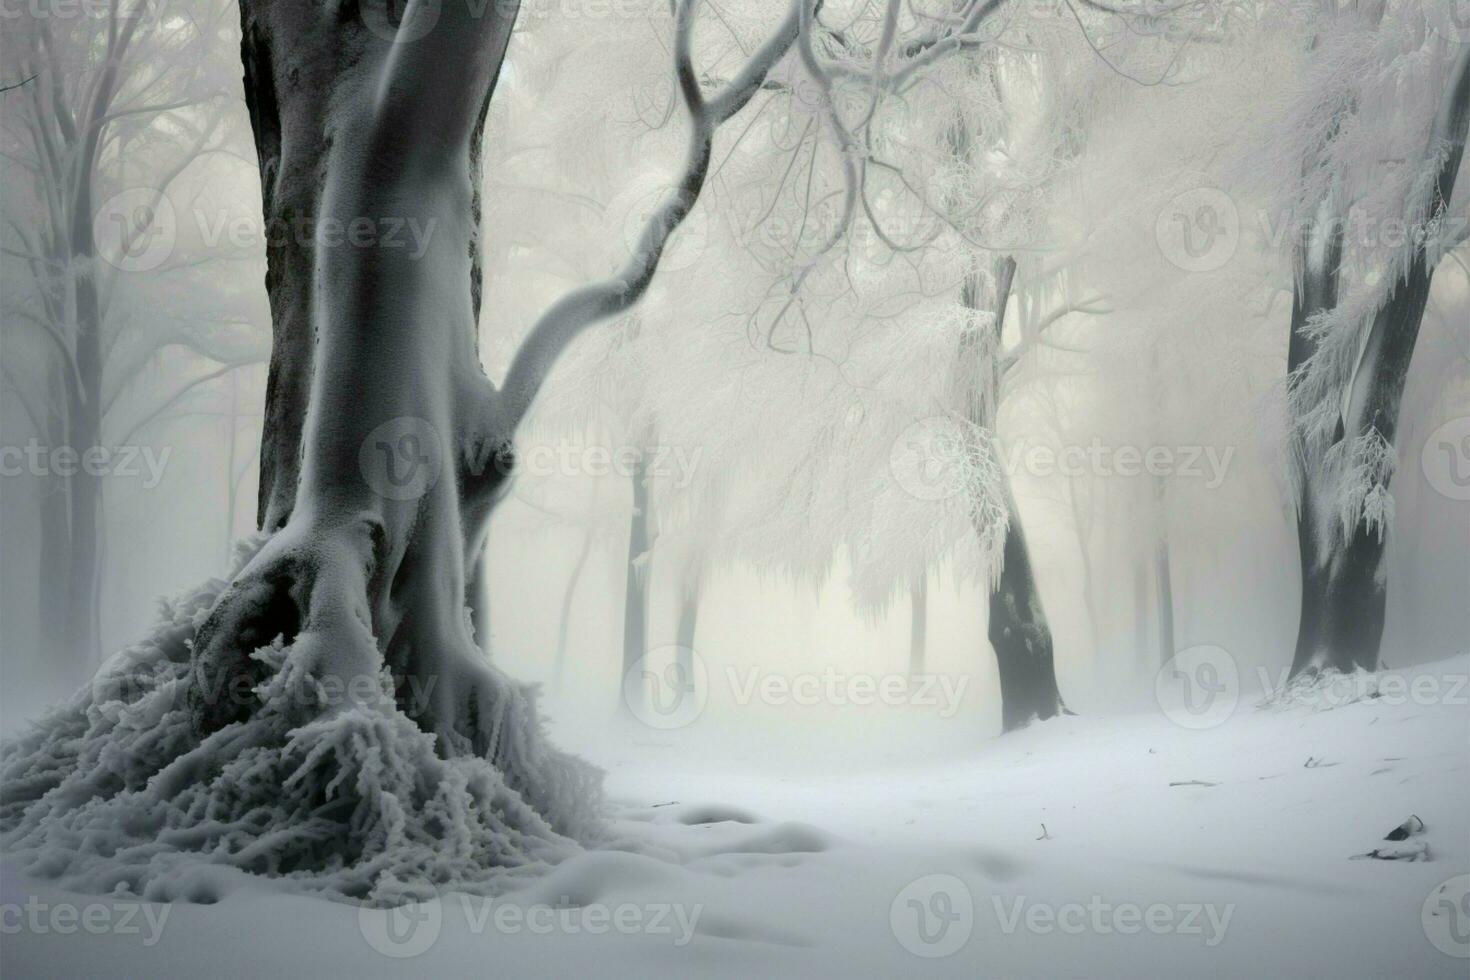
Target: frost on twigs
(116, 789)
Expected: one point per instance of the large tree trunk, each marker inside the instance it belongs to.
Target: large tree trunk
(1344, 597)
(332, 717)
(382, 453)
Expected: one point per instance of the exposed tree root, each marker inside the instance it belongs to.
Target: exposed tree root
(330, 783)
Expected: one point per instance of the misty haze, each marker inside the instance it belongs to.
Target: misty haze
(792, 488)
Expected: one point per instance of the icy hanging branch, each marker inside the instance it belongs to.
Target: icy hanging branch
(596, 302)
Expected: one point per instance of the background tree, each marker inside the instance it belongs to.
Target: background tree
(123, 109)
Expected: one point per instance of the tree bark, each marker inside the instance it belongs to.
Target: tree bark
(1315, 293)
(1344, 601)
(382, 453)
(1018, 631)
(1021, 637)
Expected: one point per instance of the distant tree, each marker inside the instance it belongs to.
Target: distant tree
(121, 108)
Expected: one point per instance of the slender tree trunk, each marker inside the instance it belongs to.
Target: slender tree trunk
(1163, 577)
(55, 554)
(1159, 521)
(565, 619)
(1018, 631)
(1140, 614)
(685, 631)
(1084, 557)
(918, 624)
(52, 585)
(84, 432)
(635, 592)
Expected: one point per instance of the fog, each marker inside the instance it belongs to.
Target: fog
(1054, 282)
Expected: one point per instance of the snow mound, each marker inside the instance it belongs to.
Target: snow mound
(115, 791)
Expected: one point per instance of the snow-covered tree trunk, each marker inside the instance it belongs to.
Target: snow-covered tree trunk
(327, 713)
(1319, 258)
(381, 451)
(1345, 591)
(1018, 629)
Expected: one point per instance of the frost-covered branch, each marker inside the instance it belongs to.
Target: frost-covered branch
(591, 304)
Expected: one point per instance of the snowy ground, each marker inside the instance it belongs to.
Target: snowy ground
(755, 860)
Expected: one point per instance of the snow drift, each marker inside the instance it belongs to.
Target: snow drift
(116, 791)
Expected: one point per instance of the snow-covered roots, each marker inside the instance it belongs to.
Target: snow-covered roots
(120, 789)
